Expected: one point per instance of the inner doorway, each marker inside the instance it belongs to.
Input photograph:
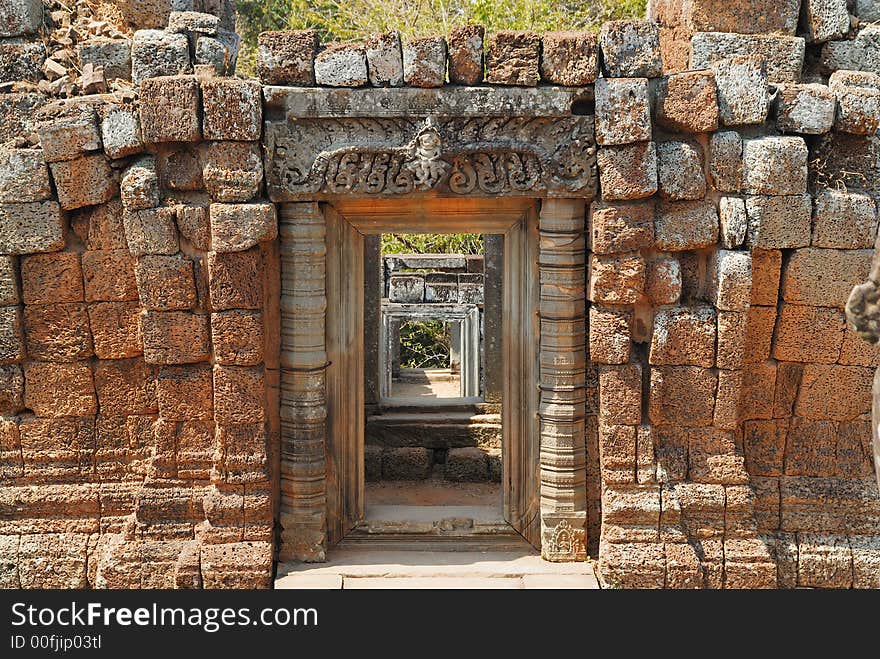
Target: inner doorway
(433, 443)
(446, 451)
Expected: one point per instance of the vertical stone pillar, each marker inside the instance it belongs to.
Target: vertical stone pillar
(303, 383)
(562, 411)
(372, 312)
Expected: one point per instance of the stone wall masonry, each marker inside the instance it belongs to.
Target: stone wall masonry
(719, 432)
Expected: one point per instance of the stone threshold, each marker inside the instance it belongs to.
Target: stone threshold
(358, 569)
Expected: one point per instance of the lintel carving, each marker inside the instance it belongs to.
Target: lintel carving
(316, 157)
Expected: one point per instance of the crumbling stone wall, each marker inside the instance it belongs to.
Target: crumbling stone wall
(728, 436)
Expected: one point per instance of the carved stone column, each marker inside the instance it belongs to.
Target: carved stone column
(562, 312)
(303, 383)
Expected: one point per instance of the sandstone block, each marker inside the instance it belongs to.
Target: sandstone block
(140, 185)
(466, 465)
(742, 90)
(726, 161)
(287, 57)
(775, 166)
(618, 228)
(684, 336)
(734, 221)
(826, 19)
(809, 334)
(858, 101)
(465, 46)
(11, 335)
(57, 390)
(620, 393)
(125, 387)
(824, 277)
(341, 65)
(11, 389)
(824, 561)
(9, 294)
(166, 283)
(21, 62)
(49, 278)
(858, 352)
(664, 281)
(745, 16)
(628, 172)
(109, 276)
(385, 59)
(151, 231)
(175, 337)
(239, 394)
(731, 280)
(685, 225)
(844, 220)
(58, 332)
(194, 226)
(233, 109)
(680, 171)
(237, 337)
(238, 227)
(682, 395)
(610, 335)
(841, 393)
(236, 280)
(181, 22)
(178, 92)
(100, 227)
(512, 58)
(617, 279)
(617, 450)
(732, 338)
(181, 169)
(16, 112)
(631, 49)
(121, 132)
(115, 329)
(219, 52)
(779, 222)
(156, 53)
(113, 54)
(66, 552)
(185, 393)
(623, 111)
(407, 463)
(570, 59)
(424, 62)
(24, 176)
(688, 102)
(764, 447)
(86, 181)
(21, 17)
(783, 55)
(806, 109)
(232, 171)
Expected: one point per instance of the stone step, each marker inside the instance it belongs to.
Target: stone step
(452, 430)
(360, 567)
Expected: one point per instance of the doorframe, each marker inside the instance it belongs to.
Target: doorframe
(543, 409)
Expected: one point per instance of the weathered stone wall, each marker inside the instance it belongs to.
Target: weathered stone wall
(728, 428)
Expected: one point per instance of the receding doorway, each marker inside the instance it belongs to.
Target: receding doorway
(433, 437)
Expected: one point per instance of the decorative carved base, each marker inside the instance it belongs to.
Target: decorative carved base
(564, 539)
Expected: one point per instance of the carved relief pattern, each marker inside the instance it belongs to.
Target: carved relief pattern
(303, 382)
(562, 412)
(461, 156)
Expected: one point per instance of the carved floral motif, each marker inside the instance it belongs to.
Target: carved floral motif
(462, 156)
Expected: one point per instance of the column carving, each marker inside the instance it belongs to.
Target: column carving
(303, 383)
(562, 412)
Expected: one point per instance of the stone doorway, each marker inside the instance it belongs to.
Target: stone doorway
(542, 381)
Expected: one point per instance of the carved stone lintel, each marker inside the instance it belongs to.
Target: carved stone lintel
(303, 383)
(446, 150)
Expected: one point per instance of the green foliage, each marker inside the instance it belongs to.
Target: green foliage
(432, 243)
(424, 344)
(346, 20)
